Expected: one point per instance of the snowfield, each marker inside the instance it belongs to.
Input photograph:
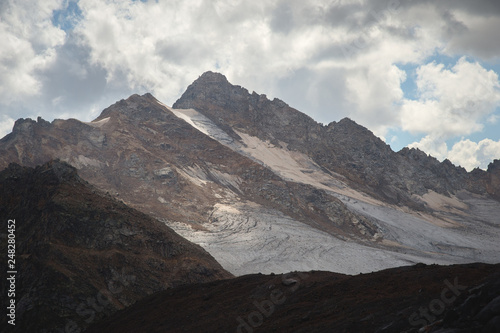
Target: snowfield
(246, 238)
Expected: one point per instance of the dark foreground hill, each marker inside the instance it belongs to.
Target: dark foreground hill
(81, 255)
(420, 298)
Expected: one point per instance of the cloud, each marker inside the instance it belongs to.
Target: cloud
(28, 45)
(465, 153)
(433, 146)
(452, 102)
(471, 154)
(478, 37)
(330, 59)
(6, 124)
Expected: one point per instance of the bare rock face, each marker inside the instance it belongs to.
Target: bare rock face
(344, 147)
(492, 179)
(81, 255)
(233, 106)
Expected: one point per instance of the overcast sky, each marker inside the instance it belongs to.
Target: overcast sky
(417, 73)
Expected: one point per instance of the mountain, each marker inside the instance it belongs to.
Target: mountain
(344, 147)
(461, 298)
(81, 255)
(264, 188)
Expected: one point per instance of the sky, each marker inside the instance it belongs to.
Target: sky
(418, 73)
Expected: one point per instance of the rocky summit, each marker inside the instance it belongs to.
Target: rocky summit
(343, 147)
(264, 188)
(82, 255)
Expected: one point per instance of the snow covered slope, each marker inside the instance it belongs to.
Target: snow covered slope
(246, 238)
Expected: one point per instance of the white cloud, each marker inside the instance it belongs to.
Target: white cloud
(471, 154)
(375, 104)
(164, 46)
(28, 45)
(452, 102)
(435, 147)
(493, 119)
(6, 124)
(465, 152)
(330, 59)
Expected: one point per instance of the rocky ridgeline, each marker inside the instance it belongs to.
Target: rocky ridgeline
(81, 255)
(343, 147)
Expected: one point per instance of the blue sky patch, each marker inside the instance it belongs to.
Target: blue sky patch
(68, 17)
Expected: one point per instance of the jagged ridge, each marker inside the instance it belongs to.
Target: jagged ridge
(344, 147)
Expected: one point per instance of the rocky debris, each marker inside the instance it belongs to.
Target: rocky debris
(418, 298)
(81, 255)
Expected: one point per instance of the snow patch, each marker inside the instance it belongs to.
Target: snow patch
(201, 123)
(298, 167)
(98, 123)
(81, 161)
(195, 175)
(226, 179)
(474, 240)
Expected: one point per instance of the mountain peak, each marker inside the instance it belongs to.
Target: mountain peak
(212, 77)
(135, 106)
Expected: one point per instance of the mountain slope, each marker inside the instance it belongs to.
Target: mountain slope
(264, 188)
(158, 163)
(343, 147)
(81, 255)
(412, 200)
